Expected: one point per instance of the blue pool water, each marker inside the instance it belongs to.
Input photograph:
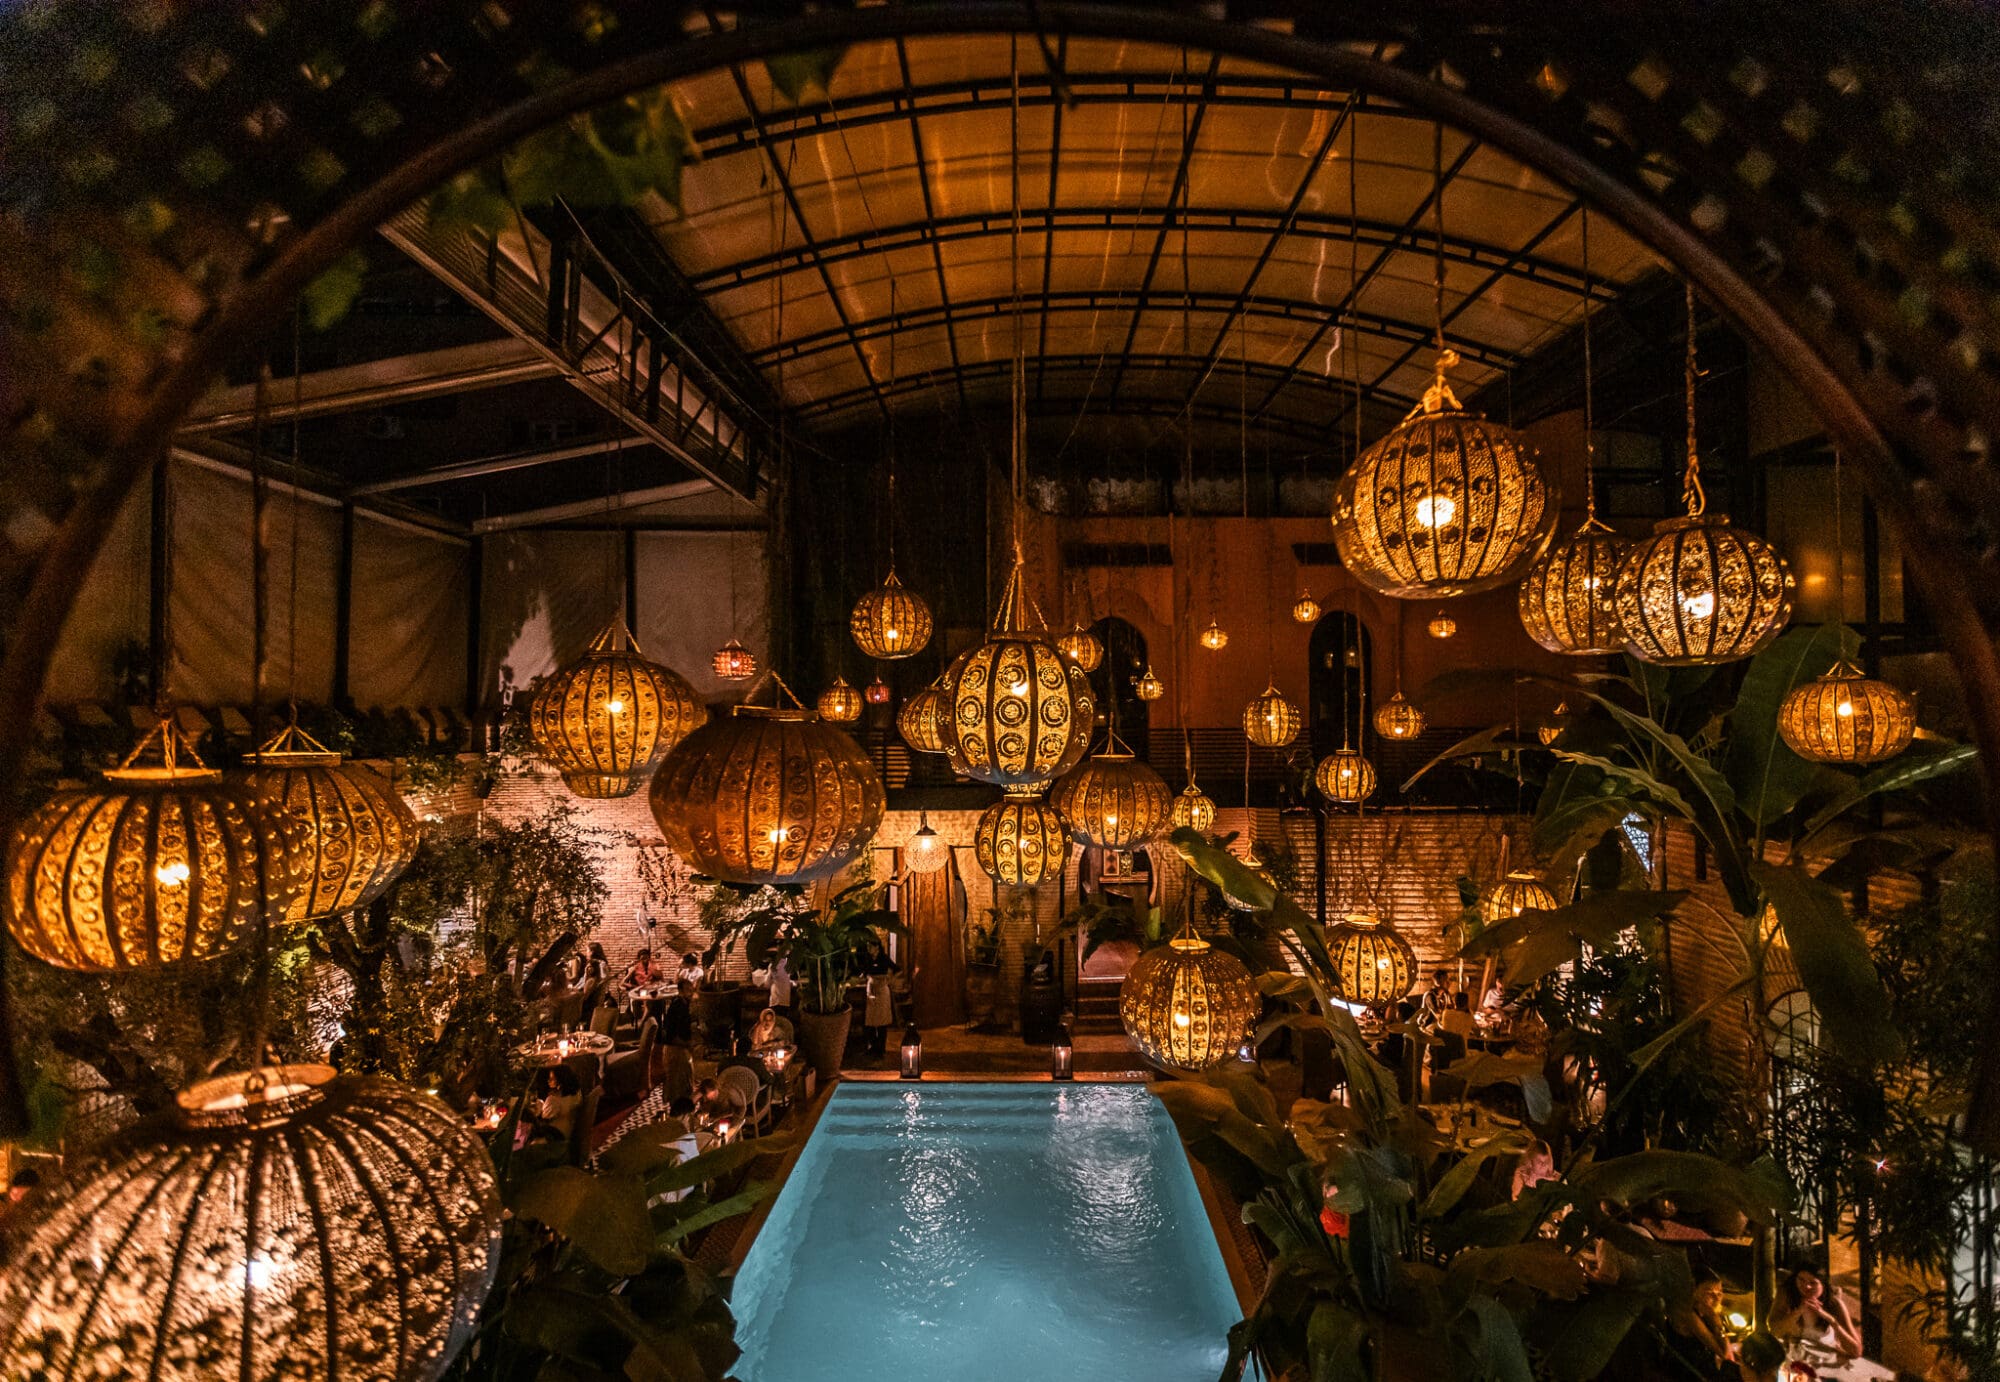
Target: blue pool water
(966, 1232)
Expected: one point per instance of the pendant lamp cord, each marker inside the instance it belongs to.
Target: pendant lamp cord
(893, 333)
(1018, 402)
(260, 995)
(1446, 357)
(1691, 491)
(1589, 409)
(292, 595)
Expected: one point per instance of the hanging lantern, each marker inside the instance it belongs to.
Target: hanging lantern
(1846, 716)
(840, 704)
(1305, 609)
(1020, 712)
(1112, 800)
(921, 721)
(604, 720)
(891, 622)
(734, 662)
(1442, 625)
(1187, 1005)
(164, 862)
(1446, 504)
(1376, 966)
(767, 796)
(878, 692)
(1149, 687)
(1344, 775)
(1080, 646)
(1567, 600)
(1214, 638)
(1398, 719)
(356, 833)
(1699, 592)
(292, 1224)
(1021, 840)
(1520, 891)
(926, 851)
(1551, 729)
(1192, 810)
(1270, 721)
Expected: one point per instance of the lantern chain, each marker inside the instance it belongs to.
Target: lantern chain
(1691, 490)
(1589, 412)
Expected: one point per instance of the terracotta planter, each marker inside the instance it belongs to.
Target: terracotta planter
(981, 982)
(823, 1040)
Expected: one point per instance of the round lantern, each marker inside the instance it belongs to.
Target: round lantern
(1375, 964)
(1567, 599)
(1446, 504)
(1396, 718)
(921, 721)
(295, 1224)
(1021, 840)
(1305, 609)
(1442, 625)
(1344, 775)
(1846, 716)
(1699, 592)
(878, 692)
(1020, 713)
(734, 662)
(1187, 1005)
(604, 720)
(1270, 721)
(1192, 810)
(1149, 687)
(1520, 891)
(767, 796)
(1113, 800)
(356, 833)
(1080, 646)
(926, 851)
(164, 862)
(840, 703)
(1214, 638)
(890, 622)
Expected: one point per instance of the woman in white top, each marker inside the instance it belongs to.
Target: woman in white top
(781, 984)
(881, 1009)
(1818, 1328)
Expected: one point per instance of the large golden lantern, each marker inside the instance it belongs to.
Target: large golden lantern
(840, 703)
(1344, 775)
(1520, 891)
(1082, 647)
(164, 862)
(1187, 1005)
(1846, 716)
(356, 834)
(1375, 964)
(891, 621)
(1270, 721)
(1396, 718)
(1149, 687)
(1192, 810)
(1021, 840)
(294, 1224)
(921, 720)
(1020, 712)
(604, 720)
(1446, 504)
(1699, 592)
(1113, 800)
(1568, 599)
(767, 796)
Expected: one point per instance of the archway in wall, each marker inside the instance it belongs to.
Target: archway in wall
(1766, 168)
(1338, 655)
(1116, 681)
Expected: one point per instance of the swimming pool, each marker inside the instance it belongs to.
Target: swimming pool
(963, 1232)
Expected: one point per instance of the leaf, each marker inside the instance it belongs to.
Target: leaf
(717, 1163)
(1502, 1355)
(1833, 963)
(1630, 782)
(328, 298)
(645, 1149)
(1451, 1187)
(1661, 1044)
(1483, 1068)
(1198, 1108)
(1537, 1263)
(794, 74)
(1335, 1337)
(1757, 1191)
(675, 1221)
(1578, 1344)
(1907, 770)
(604, 1216)
(1767, 776)
(1493, 740)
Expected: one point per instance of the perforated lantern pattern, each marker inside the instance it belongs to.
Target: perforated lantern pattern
(1021, 840)
(1568, 599)
(1080, 646)
(1442, 625)
(1188, 1005)
(1846, 716)
(356, 835)
(1192, 810)
(921, 720)
(1149, 687)
(1305, 609)
(1344, 775)
(154, 866)
(1520, 891)
(1020, 712)
(1214, 638)
(1699, 592)
(840, 703)
(1447, 503)
(1114, 801)
(1270, 721)
(604, 720)
(890, 621)
(734, 662)
(1396, 718)
(765, 796)
(343, 1228)
(1375, 964)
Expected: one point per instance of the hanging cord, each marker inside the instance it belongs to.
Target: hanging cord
(1839, 559)
(1352, 343)
(260, 993)
(893, 333)
(1018, 403)
(1589, 403)
(1691, 491)
(292, 595)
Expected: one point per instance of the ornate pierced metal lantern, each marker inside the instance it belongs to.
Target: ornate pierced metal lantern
(356, 834)
(1344, 775)
(1214, 638)
(1375, 964)
(840, 703)
(1188, 1005)
(1442, 625)
(604, 720)
(1846, 716)
(1446, 504)
(1305, 609)
(1082, 647)
(162, 863)
(1567, 600)
(1396, 718)
(1021, 840)
(891, 621)
(734, 662)
(767, 796)
(1020, 713)
(1192, 810)
(878, 692)
(1520, 891)
(1700, 592)
(926, 851)
(1113, 800)
(1149, 687)
(921, 720)
(1270, 721)
(287, 1224)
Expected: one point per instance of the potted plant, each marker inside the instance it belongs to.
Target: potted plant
(824, 950)
(982, 968)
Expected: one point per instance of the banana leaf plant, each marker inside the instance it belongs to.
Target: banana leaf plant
(823, 946)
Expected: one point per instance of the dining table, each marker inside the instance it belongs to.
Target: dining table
(554, 1049)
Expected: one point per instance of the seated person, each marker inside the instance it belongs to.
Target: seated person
(717, 1102)
(691, 970)
(549, 1112)
(1818, 1322)
(641, 972)
(1495, 1001)
(1436, 998)
(677, 1024)
(1456, 1020)
(1537, 1163)
(1698, 1335)
(770, 1030)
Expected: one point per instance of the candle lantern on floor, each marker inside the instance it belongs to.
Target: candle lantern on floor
(1062, 1055)
(913, 1053)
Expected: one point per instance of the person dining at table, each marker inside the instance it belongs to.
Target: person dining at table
(691, 969)
(1819, 1327)
(549, 1112)
(1436, 999)
(1698, 1336)
(719, 1103)
(641, 972)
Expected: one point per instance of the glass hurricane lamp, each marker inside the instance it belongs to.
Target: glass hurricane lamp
(926, 851)
(1846, 716)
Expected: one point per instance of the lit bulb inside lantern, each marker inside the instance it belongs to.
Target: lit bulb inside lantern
(891, 635)
(1699, 606)
(1181, 1019)
(615, 706)
(260, 1271)
(172, 875)
(1845, 709)
(1435, 511)
(778, 834)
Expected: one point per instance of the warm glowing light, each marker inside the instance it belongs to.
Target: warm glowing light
(1846, 716)
(171, 875)
(926, 851)
(1845, 709)
(1435, 511)
(890, 621)
(1149, 687)
(1699, 606)
(604, 720)
(1305, 609)
(778, 834)
(1442, 625)
(615, 706)
(1181, 1019)
(1737, 1320)
(1214, 638)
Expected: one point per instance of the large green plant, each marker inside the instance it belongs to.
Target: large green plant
(823, 947)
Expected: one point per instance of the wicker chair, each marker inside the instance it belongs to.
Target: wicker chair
(755, 1096)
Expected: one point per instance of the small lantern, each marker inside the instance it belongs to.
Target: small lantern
(1082, 647)
(840, 703)
(1442, 625)
(1846, 716)
(1344, 775)
(891, 621)
(1270, 721)
(1062, 1055)
(1149, 687)
(921, 721)
(926, 851)
(878, 692)
(1214, 638)
(1520, 891)
(1192, 809)
(1305, 609)
(913, 1053)
(1397, 718)
(734, 662)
